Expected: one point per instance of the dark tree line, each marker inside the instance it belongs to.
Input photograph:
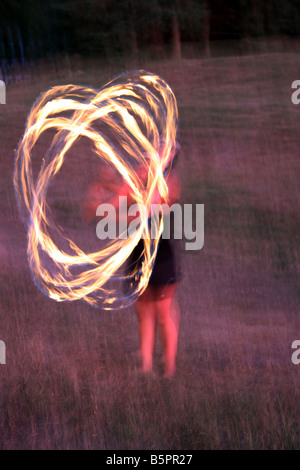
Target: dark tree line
(32, 29)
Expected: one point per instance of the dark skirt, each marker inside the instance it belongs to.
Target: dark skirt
(165, 270)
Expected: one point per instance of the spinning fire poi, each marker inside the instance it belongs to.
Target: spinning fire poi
(139, 111)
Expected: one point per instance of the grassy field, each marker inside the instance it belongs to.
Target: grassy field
(72, 380)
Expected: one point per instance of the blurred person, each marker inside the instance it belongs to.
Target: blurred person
(157, 305)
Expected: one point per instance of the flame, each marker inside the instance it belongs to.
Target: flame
(141, 111)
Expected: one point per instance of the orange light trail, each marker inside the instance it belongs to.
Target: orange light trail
(140, 110)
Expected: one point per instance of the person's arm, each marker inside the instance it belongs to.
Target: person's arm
(106, 182)
(93, 199)
(174, 185)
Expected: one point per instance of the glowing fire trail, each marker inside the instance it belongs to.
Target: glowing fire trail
(140, 110)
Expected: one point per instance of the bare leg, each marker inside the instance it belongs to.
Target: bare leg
(147, 321)
(168, 321)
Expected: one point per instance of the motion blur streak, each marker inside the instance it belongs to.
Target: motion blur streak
(132, 122)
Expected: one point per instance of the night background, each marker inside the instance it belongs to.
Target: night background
(71, 378)
(32, 31)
